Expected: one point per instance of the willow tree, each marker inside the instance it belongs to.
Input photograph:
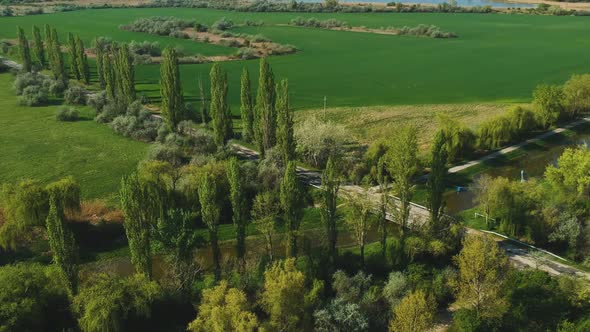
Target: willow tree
(141, 207)
(264, 111)
(247, 107)
(239, 203)
(330, 188)
(24, 50)
(285, 132)
(170, 89)
(292, 205)
(436, 181)
(220, 112)
(73, 51)
(39, 48)
(210, 212)
(82, 60)
(402, 164)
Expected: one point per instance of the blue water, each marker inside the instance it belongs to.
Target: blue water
(462, 3)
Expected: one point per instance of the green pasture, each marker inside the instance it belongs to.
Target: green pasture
(33, 145)
(497, 58)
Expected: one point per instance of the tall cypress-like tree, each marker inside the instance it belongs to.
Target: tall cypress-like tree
(39, 47)
(125, 74)
(220, 113)
(239, 204)
(24, 50)
(292, 205)
(203, 98)
(82, 60)
(47, 32)
(264, 112)
(72, 48)
(57, 61)
(285, 134)
(62, 243)
(247, 107)
(383, 203)
(330, 188)
(100, 50)
(436, 181)
(141, 207)
(210, 212)
(170, 89)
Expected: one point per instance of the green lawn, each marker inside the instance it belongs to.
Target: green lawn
(497, 58)
(34, 145)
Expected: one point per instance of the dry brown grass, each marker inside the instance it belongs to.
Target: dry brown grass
(368, 124)
(96, 211)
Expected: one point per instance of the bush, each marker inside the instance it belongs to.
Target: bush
(34, 95)
(246, 53)
(199, 27)
(67, 114)
(278, 49)
(315, 23)
(158, 25)
(223, 24)
(75, 95)
(166, 152)
(317, 141)
(25, 80)
(145, 48)
(431, 31)
(110, 111)
(137, 123)
(98, 101)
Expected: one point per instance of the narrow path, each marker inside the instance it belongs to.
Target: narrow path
(511, 148)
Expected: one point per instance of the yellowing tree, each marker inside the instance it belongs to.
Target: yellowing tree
(224, 309)
(482, 265)
(283, 297)
(415, 313)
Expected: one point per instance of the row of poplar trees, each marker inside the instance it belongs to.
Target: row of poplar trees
(48, 54)
(115, 71)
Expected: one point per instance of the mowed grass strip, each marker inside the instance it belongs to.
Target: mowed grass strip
(34, 145)
(496, 58)
(368, 124)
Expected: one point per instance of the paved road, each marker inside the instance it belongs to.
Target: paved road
(511, 148)
(519, 256)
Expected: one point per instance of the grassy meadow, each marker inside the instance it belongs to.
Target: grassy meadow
(497, 58)
(35, 145)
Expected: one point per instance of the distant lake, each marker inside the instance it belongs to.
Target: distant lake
(463, 3)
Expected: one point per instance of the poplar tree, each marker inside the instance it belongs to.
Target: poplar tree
(383, 202)
(204, 116)
(141, 207)
(24, 50)
(222, 122)
(292, 205)
(100, 50)
(125, 74)
(74, 67)
(39, 48)
(436, 181)
(402, 164)
(47, 32)
(82, 60)
(330, 188)
(239, 204)
(62, 243)
(210, 212)
(170, 89)
(246, 109)
(57, 61)
(110, 79)
(284, 136)
(264, 112)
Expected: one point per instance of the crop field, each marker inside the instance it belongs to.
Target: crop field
(36, 146)
(495, 59)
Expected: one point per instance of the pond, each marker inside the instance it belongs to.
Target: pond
(531, 164)
(462, 3)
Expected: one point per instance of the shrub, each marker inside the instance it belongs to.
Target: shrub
(98, 100)
(75, 95)
(278, 49)
(258, 39)
(24, 80)
(166, 152)
(159, 25)
(34, 95)
(179, 34)
(431, 31)
(67, 114)
(250, 23)
(57, 87)
(223, 24)
(137, 123)
(317, 140)
(230, 43)
(110, 111)
(145, 48)
(396, 288)
(246, 53)
(199, 27)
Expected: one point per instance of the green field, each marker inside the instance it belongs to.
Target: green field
(36, 146)
(497, 58)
